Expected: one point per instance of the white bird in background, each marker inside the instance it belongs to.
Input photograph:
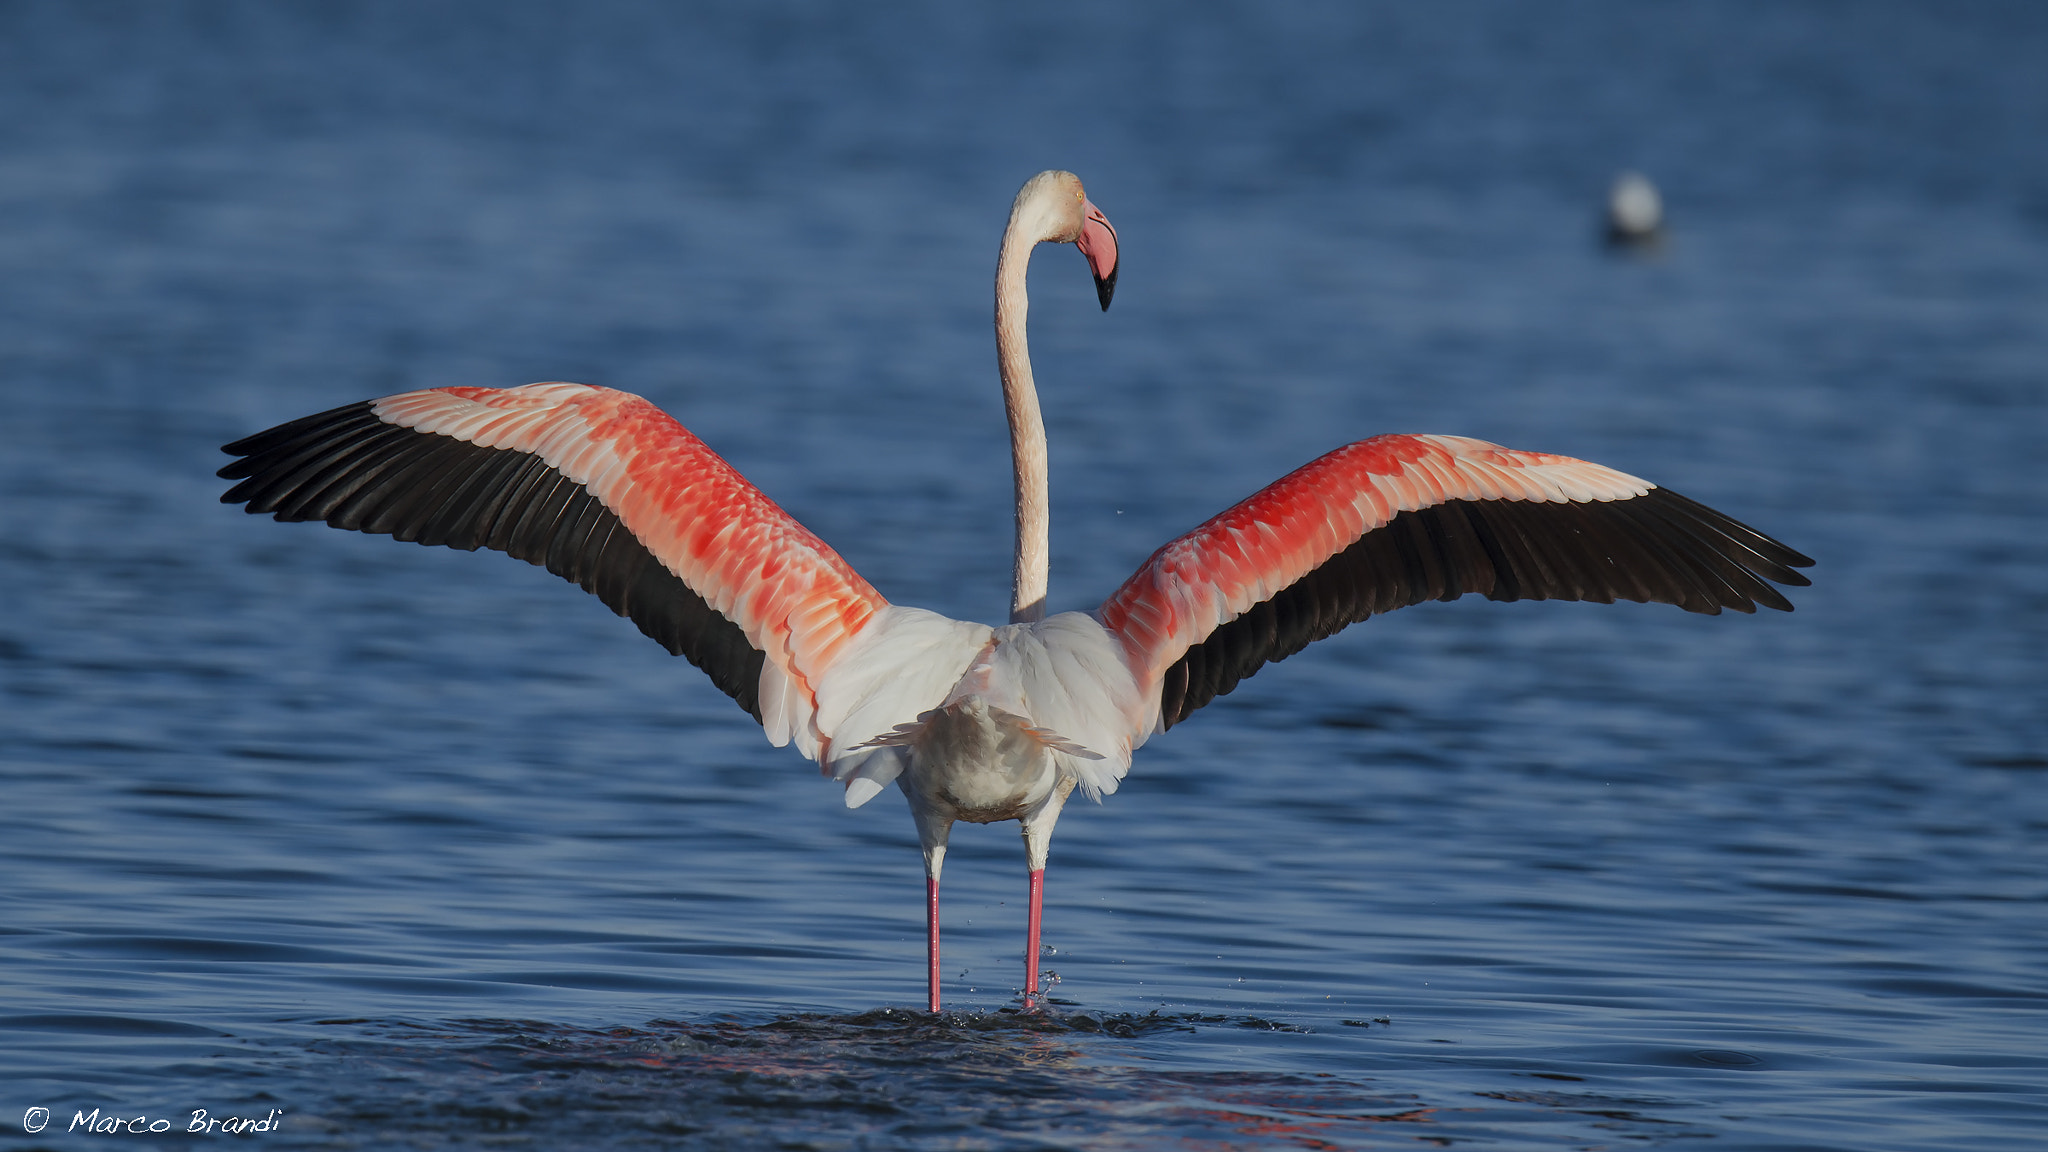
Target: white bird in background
(1635, 212)
(972, 722)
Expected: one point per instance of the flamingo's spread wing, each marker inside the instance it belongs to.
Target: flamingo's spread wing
(1396, 520)
(604, 489)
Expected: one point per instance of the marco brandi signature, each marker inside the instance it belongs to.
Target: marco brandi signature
(201, 1123)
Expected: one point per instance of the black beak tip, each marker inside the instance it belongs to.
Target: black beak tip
(1106, 287)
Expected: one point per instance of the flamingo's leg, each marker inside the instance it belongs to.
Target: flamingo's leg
(1031, 923)
(932, 831)
(931, 935)
(1037, 839)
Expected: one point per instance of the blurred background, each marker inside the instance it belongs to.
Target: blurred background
(418, 845)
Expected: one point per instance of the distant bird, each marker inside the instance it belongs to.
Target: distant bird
(1635, 212)
(977, 723)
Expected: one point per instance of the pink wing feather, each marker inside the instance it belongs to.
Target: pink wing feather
(599, 485)
(1394, 520)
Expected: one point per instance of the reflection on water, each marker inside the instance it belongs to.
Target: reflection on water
(301, 819)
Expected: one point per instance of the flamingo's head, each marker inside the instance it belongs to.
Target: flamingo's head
(1053, 207)
(1098, 243)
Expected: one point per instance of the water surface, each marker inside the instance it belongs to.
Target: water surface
(426, 848)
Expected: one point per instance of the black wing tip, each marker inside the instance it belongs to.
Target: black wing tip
(357, 472)
(278, 434)
(1769, 547)
(1677, 551)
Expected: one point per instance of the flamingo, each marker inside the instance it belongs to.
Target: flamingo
(972, 722)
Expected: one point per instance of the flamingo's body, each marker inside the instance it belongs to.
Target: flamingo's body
(977, 723)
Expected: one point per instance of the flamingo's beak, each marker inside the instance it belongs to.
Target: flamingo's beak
(1098, 243)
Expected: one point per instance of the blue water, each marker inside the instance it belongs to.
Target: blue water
(424, 848)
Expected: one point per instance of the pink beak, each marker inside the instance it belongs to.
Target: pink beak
(1098, 244)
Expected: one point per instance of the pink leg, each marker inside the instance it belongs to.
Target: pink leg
(1031, 922)
(931, 934)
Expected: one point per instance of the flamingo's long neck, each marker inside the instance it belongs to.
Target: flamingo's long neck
(1027, 429)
